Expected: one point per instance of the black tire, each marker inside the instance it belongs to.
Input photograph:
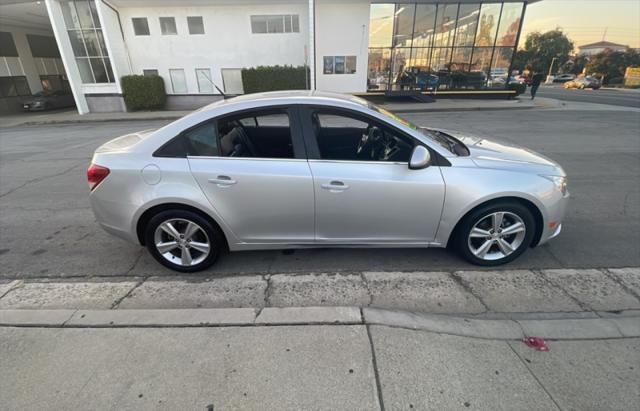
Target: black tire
(461, 237)
(213, 234)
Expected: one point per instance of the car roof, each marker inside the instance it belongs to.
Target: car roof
(287, 97)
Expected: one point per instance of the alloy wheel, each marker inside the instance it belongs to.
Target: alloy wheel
(182, 242)
(496, 235)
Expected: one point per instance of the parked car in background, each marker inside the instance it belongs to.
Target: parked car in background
(521, 79)
(563, 78)
(584, 82)
(300, 169)
(47, 100)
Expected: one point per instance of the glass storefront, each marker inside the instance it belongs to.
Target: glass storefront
(452, 46)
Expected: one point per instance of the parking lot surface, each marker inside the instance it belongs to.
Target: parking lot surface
(48, 230)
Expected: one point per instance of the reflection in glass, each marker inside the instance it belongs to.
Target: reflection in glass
(488, 24)
(467, 24)
(339, 65)
(403, 25)
(440, 59)
(500, 65)
(99, 71)
(350, 64)
(400, 59)
(378, 70)
(481, 60)
(381, 25)
(461, 59)
(424, 26)
(509, 24)
(420, 58)
(445, 25)
(328, 65)
(85, 70)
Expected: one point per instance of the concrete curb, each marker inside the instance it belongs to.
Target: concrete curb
(555, 329)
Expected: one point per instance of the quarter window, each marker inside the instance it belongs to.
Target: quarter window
(351, 137)
(140, 26)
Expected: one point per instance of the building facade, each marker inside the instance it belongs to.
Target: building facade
(600, 46)
(352, 46)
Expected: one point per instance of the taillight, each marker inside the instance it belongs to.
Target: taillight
(95, 175)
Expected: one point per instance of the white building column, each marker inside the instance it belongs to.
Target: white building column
(66, 53)
(312, 44)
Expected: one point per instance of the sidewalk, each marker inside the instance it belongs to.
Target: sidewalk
(71, 116)
(348, 341)
(313, 358)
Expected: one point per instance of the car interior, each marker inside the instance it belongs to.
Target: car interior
(265, 135)
(342, 137)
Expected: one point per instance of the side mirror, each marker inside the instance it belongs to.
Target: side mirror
(420, 158)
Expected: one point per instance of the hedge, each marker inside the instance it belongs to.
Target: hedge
(143, 92)
(270, 78)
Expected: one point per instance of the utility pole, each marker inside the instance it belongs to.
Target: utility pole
(549, 77)
(605, 33)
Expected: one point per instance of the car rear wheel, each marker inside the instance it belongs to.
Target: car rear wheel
(183, 240)
(496, 234)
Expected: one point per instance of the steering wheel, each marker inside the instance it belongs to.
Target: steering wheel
(369, 137)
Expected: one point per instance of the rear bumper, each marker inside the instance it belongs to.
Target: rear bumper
(114, 217)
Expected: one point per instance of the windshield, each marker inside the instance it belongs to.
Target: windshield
(443, 140)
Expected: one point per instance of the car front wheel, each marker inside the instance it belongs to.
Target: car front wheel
(183, 240)
(496, 234)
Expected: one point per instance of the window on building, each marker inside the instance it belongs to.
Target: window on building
(381, 25)
(232, 80)
(140, 26)
(87, 41)
(277, 23)
(509, 24)
(403, 27)
(14, 86)
(149, 72)
(196, 25)
(7, 46)
(55, 83)
(178, 81)
(168, 26)
(205, 84)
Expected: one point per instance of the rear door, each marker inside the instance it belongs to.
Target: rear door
(257, 176)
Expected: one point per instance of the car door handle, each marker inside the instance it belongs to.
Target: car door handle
(335, 186)
(222, 181)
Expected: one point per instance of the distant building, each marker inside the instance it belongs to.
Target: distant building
(600, 46)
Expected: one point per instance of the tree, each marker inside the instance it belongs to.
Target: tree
(576, 64)
(610, 65)
(541, 48)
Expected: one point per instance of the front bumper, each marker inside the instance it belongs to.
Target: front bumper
(553, 218)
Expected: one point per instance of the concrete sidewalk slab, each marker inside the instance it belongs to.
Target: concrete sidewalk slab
(517, 291)
(432, 292)
(67, 295)
(569, 329)
(162, 318)
(588, 375)
(317, 290)
(309, 315)
(35, 318)
(439, 372)
(593, 289)
(468, 327)
(181, 292)
(629, 277)
(256, 368)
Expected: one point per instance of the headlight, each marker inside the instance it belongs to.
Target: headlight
(560, 182)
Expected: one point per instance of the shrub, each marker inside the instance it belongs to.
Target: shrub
(615, 80)
(520, 88)
(143, 92)
(271, 78)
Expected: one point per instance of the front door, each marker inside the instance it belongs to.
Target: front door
(255, 178)
(364, 189)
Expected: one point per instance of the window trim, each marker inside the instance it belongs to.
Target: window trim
(313, 150)
(297, 139)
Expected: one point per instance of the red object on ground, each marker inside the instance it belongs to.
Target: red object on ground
(536, 342)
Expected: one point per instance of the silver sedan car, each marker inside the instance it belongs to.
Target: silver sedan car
(308, 169)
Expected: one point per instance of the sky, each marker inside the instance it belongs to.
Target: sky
(585, 21)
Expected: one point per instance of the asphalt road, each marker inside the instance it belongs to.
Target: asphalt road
(623, 98)
(48, 230)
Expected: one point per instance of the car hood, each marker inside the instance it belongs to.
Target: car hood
(499, 154)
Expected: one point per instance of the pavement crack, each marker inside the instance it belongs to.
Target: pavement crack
(38, 179)
(368, 288)
(117, 302)
(550, 281)
(267, 290)
(376, 374)
(467, 287)
(535, 377)
(617, 280)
